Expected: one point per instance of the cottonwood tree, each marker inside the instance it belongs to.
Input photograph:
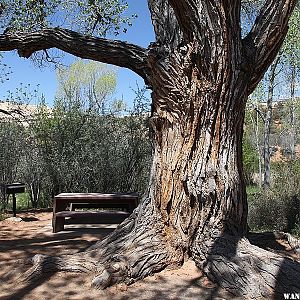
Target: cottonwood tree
(286, 63)
(88, 85)
(268, 119)
(201, 72)
(291, 55)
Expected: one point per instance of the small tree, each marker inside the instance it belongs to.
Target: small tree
(291, 58)
(88, 85)
(12, 141)
(85, 143)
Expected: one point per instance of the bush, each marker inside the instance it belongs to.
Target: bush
(250, 161)
(2, 216)
(279, 207)
(296, 229)
(267, 211)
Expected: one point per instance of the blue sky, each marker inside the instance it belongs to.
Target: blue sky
(24, 71)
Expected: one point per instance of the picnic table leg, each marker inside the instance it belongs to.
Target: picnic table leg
(58, 222)
(14, 205)
(131, 207)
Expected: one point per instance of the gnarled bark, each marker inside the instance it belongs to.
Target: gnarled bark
(196, 203)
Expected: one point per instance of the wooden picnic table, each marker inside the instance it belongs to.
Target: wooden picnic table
(64, 206)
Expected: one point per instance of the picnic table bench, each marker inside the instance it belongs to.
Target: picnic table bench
(64, 206)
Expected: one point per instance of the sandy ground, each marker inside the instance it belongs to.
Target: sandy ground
(32, 235)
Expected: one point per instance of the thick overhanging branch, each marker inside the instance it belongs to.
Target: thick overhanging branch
(264, 40)
(118, 53)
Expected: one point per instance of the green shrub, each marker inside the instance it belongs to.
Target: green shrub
(267, 212)
(278, 208)
(250, 160)
(2, 216)
(23, 201)
(296, 230)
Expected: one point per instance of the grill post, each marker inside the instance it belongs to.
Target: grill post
(13, 189)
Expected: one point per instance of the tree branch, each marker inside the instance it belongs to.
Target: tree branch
(15, 114)
(260, 112)
(117, 53)
(264, 40)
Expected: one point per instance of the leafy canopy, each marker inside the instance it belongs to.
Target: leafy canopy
(98, 17)
(291, 45)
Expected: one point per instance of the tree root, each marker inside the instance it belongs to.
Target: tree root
(141, 246)
(133, 251)
(115, 272)
(42, 264)
(236, 265)
(111, 269)
(293, 242)
(247, 270)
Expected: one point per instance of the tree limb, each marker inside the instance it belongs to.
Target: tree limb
(262, 43)
(118, 53)
(2, 111)
(260, 112)
(15, 114)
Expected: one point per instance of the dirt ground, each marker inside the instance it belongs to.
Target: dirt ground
(22, 239)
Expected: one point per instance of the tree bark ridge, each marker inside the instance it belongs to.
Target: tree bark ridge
(167, 30)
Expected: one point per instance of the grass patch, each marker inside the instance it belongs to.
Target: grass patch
(2, 216)
(252, 190)
(23, 202)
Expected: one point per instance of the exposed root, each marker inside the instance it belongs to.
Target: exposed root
(116, 271)
(141, 246)
(293, 242)
(109, 270)
(247, 270)
(102, 281)
(43, 264)
(236, 265)
(133, 251)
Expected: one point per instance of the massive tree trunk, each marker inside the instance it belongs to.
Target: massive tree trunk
(201, 72)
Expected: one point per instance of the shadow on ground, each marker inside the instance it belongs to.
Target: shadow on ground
(19, 241)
